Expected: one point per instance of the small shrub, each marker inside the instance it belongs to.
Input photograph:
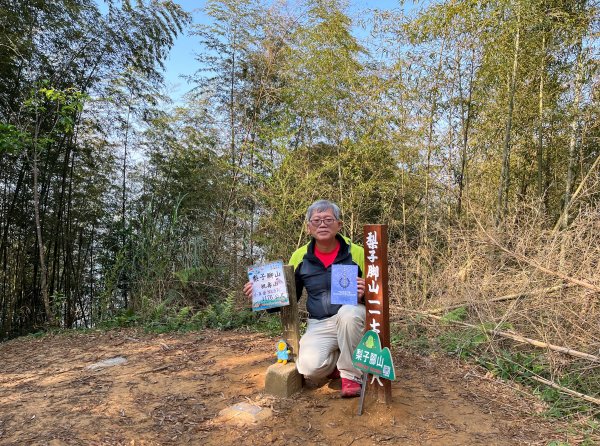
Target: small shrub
(517, 366)
(463, 343)
(411, 336)
(123, 318)
(456, 315)
(225, 316)
(269, 323)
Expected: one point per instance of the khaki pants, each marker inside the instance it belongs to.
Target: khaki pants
(330, 342)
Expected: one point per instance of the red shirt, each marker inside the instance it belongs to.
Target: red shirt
(327, 258)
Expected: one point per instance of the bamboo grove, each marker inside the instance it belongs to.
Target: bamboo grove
(434, 118)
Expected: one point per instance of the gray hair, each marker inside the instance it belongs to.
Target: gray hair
(322, 206)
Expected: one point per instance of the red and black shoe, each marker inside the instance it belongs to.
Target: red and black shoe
(350, 388)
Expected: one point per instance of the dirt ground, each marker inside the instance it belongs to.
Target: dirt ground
(173, 386)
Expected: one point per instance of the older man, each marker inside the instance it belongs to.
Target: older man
(333, 331)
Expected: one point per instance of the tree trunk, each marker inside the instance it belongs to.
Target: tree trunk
(69, 246)
(540, 145)
(40, 240)
(574, 136)
(503, 188)
(125, 280)
(466, 122)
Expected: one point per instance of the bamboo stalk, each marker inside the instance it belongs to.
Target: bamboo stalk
(518, 338)
(560, 388)
(501, 298)
(575, 194)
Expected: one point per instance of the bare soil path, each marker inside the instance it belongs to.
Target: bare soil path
(172, 387)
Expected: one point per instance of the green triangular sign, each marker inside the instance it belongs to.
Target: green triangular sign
(371, 358)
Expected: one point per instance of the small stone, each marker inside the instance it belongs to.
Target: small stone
(118, 360)
(243, 414)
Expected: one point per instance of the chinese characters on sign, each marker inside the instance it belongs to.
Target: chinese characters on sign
(373, 278)
(376, 299)
(268, 286)
(371, 358)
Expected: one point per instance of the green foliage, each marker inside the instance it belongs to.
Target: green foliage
(167, 316)
(411, 336)
(517, 366)
(459, 314)
(514, 366)
(163, 320)
(463, 343)
(323, 46)
(55, 54)
(123, 318)
(11, 139)
(364, 171)
(69, 103)
(178, 226)
(37, 334)
(58, 299)
(269, 323)
(224, 315)
(47, 114)
(561, 405)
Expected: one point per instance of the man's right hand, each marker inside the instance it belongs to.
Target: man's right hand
(248, 289)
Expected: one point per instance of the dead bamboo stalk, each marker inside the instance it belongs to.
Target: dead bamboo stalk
(502, 298)
(560, 388)
(518, 338)
(575, 194)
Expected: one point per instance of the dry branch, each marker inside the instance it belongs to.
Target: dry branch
(502, 298)
(517, 337)
(522, 258)
(157, 369)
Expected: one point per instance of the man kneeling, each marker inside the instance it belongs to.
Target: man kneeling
(333, 331)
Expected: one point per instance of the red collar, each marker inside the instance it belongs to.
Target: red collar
(327, 258)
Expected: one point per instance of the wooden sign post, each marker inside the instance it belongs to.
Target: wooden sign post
(376, 293)
(289, 314)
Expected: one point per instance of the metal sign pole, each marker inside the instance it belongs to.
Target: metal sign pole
(363, 390)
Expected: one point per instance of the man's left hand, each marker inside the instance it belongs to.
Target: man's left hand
(360, 285)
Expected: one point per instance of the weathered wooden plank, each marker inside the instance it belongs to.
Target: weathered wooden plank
(289, 314)
(376, 293)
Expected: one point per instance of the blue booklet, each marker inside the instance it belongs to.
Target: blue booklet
(343, 284)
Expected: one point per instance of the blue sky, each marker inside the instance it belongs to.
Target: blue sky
(181, 60)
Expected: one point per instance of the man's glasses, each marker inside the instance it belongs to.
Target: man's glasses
(316, 222)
